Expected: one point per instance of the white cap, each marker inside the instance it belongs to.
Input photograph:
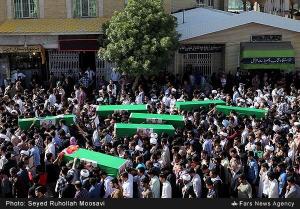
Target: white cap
(154, 135)
(153, 141)
(223, 134)
(269, 148)
(276, 128)
(139, 148)
(173, 90)
(84, 173)
(186, 177)
(24, 152)
(214, 91)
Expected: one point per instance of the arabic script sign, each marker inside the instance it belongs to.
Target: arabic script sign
(20, 49)
(269, 60)
(200, 48)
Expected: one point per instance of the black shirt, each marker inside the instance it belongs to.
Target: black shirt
(68, 191)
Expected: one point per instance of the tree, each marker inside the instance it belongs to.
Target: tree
(141, 38)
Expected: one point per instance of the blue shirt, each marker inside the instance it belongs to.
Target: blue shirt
(35, 152)
(282, 181)
(252, 173)
(207, 146)
(94, 192)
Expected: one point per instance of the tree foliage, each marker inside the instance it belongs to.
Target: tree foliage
(141, 38)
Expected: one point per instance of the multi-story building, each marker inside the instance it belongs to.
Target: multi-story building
(277, 7)
(55, 36)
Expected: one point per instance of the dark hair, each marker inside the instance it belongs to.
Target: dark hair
(271, 175)
(163, 175)
(242, 176)
(69, 178)
(41, 189)
(125, 175)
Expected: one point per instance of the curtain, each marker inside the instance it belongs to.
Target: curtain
(76, 8)
(92, 8)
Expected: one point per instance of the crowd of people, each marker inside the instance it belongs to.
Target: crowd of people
(213, 156)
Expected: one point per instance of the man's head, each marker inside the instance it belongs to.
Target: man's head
(40, 191)
(162, 177)
(124, 176)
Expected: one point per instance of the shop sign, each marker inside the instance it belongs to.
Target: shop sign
(23, 49)
(266, 38)
(269, 60)
(200, 48)
(20, 49)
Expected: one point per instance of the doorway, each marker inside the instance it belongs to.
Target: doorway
(87, 60)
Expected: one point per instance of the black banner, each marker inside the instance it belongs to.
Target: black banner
(269, 60)
(200, 48)
(266, 38)
(150, 203)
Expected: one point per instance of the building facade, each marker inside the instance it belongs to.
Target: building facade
(214, 41)
(277, 7)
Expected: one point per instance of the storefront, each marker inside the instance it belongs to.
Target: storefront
(30, 60)
(44, 46)
(225, 42)
(267, 56)
(202, 58)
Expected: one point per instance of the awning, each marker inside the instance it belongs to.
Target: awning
(23, 49)
(79, 43)
(267, 55)
(44, 26)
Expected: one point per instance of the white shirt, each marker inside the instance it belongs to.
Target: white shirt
(196, 181)
(166, 190)
(127, 189)
(52, 99)
(273, 189)
(155, 187)
(107, 186)
(50, 148)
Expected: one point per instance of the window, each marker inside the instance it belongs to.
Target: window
(26, 8)
(85, 8)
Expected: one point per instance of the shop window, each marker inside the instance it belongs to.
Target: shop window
(85, 8)
(26, 8)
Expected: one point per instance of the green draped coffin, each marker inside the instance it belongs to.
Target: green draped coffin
(25, 123)
(175, 120)
(105, 110)
(129, 129)
(258, 113)
(190, 105)
(112, 165)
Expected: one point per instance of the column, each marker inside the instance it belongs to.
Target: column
(9, 9)
(101, 8)
(42, 8)
(69, 8)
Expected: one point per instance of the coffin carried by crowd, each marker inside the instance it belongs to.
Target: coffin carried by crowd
(175, 120)
(130, 129)
(105, 110)
(112, 165)
(258, 113)
(26, 123)
(190, 105)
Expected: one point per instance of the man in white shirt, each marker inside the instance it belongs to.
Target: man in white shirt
(52, 98)
(165, 155)
(127, 186)
(196, 182)
(50, 147)
(273, 188)
(106, 182)
(166, 186)
(154, 184)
